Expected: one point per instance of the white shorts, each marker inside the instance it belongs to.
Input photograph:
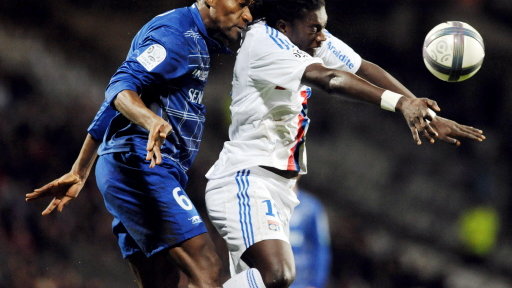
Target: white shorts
(249, 206)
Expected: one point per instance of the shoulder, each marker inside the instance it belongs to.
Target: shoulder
(172, 29)
(265, 43)
(177, 18)
(267, 37)
(174, 24)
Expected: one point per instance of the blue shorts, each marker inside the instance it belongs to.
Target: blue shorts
(151, 210)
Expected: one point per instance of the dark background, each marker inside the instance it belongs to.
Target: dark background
(401, 215)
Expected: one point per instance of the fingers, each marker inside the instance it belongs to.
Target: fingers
(423, 127)
(156, 140)
(451, 140)
(431, 133)
(58, 203)
(54, 203)
(415, 135)
(42, 191)
(155, 134)
(149, 155)
(433, 105)
(64, 202)
(149, 146)
(429, 138)
(156, 157)
(472, 133)
(31, 196)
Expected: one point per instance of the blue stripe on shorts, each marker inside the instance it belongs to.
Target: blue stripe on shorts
(244, 206)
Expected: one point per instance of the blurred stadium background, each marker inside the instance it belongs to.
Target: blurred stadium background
(401, 216)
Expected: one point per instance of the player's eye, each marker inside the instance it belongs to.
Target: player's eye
(316, 29)
(246, 3)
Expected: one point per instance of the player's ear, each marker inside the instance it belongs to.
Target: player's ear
(210, 3)
(281, 26)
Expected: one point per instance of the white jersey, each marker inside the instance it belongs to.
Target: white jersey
(269, 104)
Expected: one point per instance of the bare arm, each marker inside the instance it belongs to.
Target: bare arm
(447, 129)
(67, 187)
(373, 73)
(414, 110)
(131, 106)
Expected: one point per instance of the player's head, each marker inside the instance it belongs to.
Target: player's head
(229, 17)
(301, 20)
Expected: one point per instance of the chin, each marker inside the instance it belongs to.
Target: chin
(231, 36)
(236, 37)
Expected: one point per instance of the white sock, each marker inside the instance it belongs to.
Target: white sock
(250, 278)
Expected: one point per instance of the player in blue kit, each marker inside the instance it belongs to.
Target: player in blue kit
(310, 241)
(150, 127)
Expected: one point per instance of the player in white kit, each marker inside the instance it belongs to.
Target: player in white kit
(249, 195)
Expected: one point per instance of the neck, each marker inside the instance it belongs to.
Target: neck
(204, 11)
(211, 26)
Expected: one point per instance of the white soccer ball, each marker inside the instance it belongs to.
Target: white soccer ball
(453, 51)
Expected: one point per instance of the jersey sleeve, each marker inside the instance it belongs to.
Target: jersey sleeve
(101, 121)
(337, 55)
(274, 60)
(161, 55)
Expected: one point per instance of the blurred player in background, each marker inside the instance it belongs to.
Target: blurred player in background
(153, 115)
(311, 242)
(249, 195)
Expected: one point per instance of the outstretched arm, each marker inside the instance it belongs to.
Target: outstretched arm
(448, 130)
(414, 110)
(67, 187)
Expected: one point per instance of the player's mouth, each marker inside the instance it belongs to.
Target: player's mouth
(240, 29)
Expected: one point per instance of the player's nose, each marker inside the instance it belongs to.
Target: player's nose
(321, 37)
(246, 15)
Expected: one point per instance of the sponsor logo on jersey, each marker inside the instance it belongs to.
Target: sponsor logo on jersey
(200, 74)
(342, 57)
(152, 56)
(195, 95)
(195, 219)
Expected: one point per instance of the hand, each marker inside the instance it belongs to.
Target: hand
(415, 111)
(157, 134)
(63, 190)
(447, 129)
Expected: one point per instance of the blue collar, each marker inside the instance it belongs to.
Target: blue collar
(197, 19)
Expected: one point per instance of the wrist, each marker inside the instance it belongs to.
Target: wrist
(391, 101)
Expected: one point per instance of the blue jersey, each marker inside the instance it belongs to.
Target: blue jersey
(310, 240)
(167, 65)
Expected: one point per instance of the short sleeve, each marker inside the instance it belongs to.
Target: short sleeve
(337, 55)
(275, 60)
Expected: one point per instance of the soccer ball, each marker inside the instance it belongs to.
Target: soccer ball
(453, 51)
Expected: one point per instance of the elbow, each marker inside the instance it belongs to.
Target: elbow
(337, 83)
(119, 100)
(329, 80)
(124, 100)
